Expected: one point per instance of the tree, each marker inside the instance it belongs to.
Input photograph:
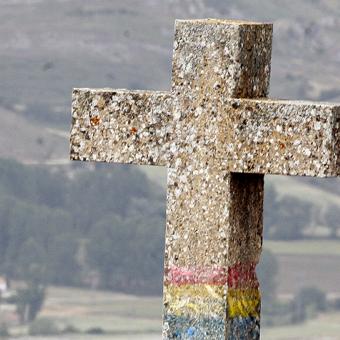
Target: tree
(128, 253)
(29, 302)
(34, 185)
(48, 220)
(106, 190)
(332, 219)
(146, 255)
(285, 218)
(108, 247)
(63, 268)
(32, 268)
(6, 211)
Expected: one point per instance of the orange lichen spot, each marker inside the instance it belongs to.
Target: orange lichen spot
(95, 120)
(133, 130)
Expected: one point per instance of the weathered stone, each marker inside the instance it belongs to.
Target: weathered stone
(121, 126)
(280, 137)
(211, 134)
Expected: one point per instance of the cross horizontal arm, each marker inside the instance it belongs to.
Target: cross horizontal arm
(280, 137)
(121, 126)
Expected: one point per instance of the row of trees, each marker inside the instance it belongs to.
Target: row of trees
(109, 220)
(69, 226)
(287, 217)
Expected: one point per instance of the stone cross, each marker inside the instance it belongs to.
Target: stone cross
(218, 136)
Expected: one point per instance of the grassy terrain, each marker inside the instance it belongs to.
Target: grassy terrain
(118, 315)
(304, 247)
(115, 313)
(325, 327)
(299, 271)
(307, 263)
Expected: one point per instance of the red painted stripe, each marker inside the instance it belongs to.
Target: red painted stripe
(239, 276)
(183, 276)
(242, 276)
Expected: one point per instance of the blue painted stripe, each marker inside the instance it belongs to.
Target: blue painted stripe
(185, 328)
(241, 328)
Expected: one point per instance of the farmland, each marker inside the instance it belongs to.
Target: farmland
(121, 316)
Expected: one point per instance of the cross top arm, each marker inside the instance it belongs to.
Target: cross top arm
(263, 136)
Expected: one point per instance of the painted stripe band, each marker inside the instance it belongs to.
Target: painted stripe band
(238, 276)
(210, 328)
(184, 276)
(212, 300)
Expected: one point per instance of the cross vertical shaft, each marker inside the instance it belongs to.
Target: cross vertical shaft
(214, 217)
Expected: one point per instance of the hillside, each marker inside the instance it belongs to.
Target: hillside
(48, 47)
(28, 141)
(53, 45)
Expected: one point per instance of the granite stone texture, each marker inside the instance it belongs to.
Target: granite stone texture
(280, 137)
(249, 135)
(218, 135)
(121, 126)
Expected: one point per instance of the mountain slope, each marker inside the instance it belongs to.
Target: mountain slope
(29, 142)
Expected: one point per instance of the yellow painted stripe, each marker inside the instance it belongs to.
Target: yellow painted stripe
(195, 300)
(244, 302)
(211, 300)
(200, 290)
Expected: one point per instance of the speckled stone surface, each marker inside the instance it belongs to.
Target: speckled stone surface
(218, 136)
(280, 137)
(121, 126)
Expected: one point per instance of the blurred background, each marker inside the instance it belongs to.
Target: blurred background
(81, 245)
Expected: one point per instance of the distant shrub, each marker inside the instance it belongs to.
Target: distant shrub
(70, 329)
(307, 303)
(276, 313)
(3, 330)
(95, 330)
(336, 304)
(43, 327)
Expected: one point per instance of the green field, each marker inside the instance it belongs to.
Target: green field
(326, 326)
(130, 317)
(115, 313)
(119, 316)
(307, 263)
